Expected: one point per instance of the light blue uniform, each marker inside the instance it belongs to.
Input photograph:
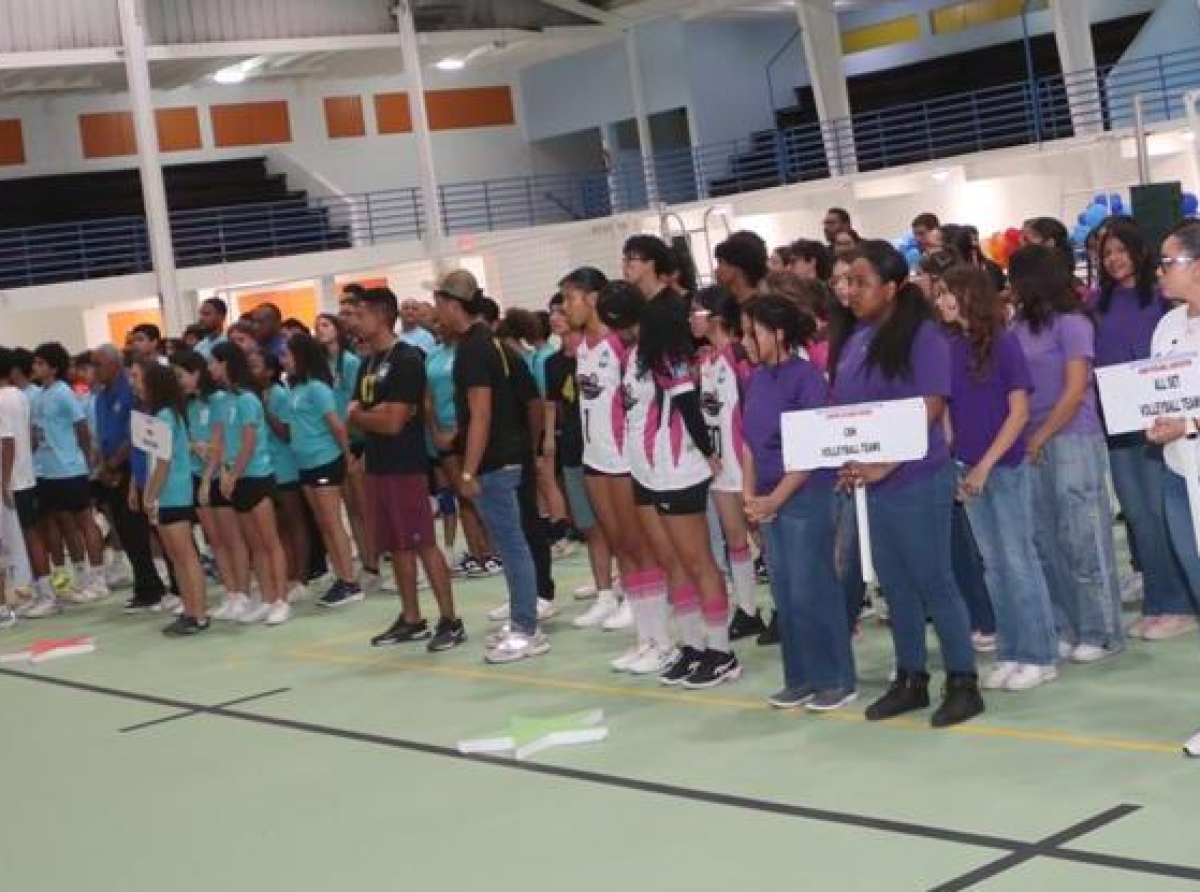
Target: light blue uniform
(439, 375)
(57, 456)
(200, 424)
(312, 440)
(177, 488)
(283, 458)
(345, 379)
(243, 409)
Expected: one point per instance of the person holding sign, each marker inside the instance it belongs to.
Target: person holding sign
(989, 410)
(795, 511)
(896, 352)
(1072, 514)
(167, 499)
(1128, 309)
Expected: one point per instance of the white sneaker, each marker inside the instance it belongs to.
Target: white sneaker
(1091, 653)
(297, 593)
(78, 596)
(493, 638)
(596, 615)
(631, 656)
(96, 587)
(545, 610)
(1191, 747)
(171, 603)
(222, 611)
(278, 613)
(1028, 677)
(1065, 650)
(998, 678)
(8, 617)
(117, 575)
(585, 593)
(563, 548)
(255, 612)
(499, 614)
(371, 584)
(517, 646)
(621, 619)
(238, 606)
(653, 661)
(41, 607)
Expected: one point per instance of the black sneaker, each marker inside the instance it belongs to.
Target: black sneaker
(685, 664)
(770, 635)
(760, 570)
(340, 594)
(961, 701)
(743, 625)
(450, 634)
(402, 632)
(143, 604)
(492, 566)
(909, 692)
(186, 626)
(715, 667)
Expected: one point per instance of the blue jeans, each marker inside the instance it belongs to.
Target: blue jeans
(500, 509)
(1002, 520)
(848, 561)
(1137, 473)
(1179, 526)
(910, 539)
(968, 572)
(812, 617)
(1072, 526)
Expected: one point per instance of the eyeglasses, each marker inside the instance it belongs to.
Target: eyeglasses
(1165, 263)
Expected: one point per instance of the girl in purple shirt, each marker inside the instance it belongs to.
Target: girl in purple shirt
(1128, 307)
(897, 352)
(1072, 514)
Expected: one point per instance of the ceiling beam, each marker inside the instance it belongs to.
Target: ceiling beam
(589, 12)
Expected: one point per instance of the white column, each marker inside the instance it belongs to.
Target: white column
(637, 90)
(822, 39)
(435, 230)
(327, 295)
(1077, 58)
(176, 315)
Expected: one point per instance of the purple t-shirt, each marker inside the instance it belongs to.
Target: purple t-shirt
(1069, 336)
(855, 383)
(979, 405)
(790, 387)
(1123, 333)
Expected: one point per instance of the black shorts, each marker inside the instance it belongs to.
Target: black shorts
(250, 491)
(676, 502)
(26, 502)
(290, 486)
(68, 495)
(589, 471)
(332, 474)
(215, 499)
(358, 449)
(168, 516)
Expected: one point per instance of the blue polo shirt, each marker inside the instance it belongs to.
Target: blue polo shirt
(113, 406)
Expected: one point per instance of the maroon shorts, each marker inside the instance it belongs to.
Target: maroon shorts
(400, 512)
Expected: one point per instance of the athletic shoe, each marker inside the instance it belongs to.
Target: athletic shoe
(604, 607)
(983, 643)
(621, 619)
(341, 594)
(240, 607)
(585, 593)
(402, 632)
(40, 607)
(760, 571)
(231, 608)
(77, 596)
(494, 638)
(653, 661)
(372, 582)
(279, 613)
(1091, 653)
(1191, 747)
(185, 627)
(517, 646)
(143, 604)
(997, 679)
(631, 656)
(257, 612)
(1160, 628)
(745, 625)
(8, 617)
(1132, 588)
(830, 701)
(685, 664)
(450, 634)
(715, 668)
(563, 548)
(545, 610)
(172, 604)
(961, 700)
(492, 566)
(1027, 677)
(297, 593)
(908, 692)
(868, 610)
(62, 581)
(117, 575)
(1065, 650)
(791, 698)
(770, 635)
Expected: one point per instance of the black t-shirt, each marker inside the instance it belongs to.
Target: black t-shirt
(481, 361)
(561, 390)
(395, 375)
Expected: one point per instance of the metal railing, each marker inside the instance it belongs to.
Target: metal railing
(1019, 113)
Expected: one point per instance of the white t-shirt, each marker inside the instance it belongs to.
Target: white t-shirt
(599, 368)
(1176, 333)
(723, 375)
(14, 423)
(662, 456)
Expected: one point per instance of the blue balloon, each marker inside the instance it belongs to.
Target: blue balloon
(1095, 215)
(1082, 218)
(913, 255)
(1099, 198)
(1190, 204)
(1114, 200)
(1079, 234)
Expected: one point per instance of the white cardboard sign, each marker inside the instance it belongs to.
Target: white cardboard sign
(1135, 393)
(892, 431)
(151, 436)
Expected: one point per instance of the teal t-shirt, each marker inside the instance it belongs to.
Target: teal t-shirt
(199, 425)
(242, 410)
(283, 458)
(312, 440)
(57, 454)
(439, 377)
(177, 488)
(536, 360)
(345, 379)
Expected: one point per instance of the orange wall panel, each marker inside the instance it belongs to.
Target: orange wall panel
(120, 323)
(344, 117)
(473, 107)
(299, 303)
(110, 134)
(12, 142)
(178, 129)
(392, 113)
(251, 124)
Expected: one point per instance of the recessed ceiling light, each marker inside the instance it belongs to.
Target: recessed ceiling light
(450, 64)
(233, 75)
(941, 175)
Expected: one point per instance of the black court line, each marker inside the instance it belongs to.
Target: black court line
(1040, 849)
(191, 712)
(613, 781)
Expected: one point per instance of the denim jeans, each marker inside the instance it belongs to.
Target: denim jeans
(910, 540)
(968, 572)
(1137, 474)
(813, 630)
(1183, 538)
(500, 509)
(1002, 520)
(1072, 525)
(848, 561)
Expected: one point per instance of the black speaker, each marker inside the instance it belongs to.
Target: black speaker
(1158, 208)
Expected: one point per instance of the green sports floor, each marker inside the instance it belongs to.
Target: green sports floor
(333, 766)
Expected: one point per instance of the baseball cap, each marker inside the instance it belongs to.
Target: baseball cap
(459, 285)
